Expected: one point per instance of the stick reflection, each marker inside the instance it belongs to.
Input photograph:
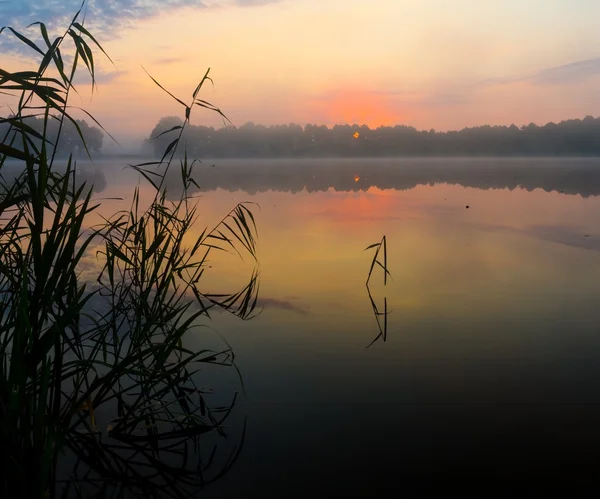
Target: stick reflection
(380, 317)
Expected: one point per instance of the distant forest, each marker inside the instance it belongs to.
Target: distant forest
(70, 140)
(567, 138)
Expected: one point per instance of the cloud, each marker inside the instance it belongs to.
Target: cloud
(103, 17)
(106, 15)
(252, 3)
(448, 98)
(101, 77)
(167, 60)
(568, 73)
(391, 93)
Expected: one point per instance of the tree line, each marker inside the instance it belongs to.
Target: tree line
(68, 139)
(579, 176)
(568, 138)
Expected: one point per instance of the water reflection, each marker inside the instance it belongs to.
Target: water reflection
(162, 459)
(86, 173)
(492, 371)
(566, 176)
(380, 262)
(150, 414)
(569, 176)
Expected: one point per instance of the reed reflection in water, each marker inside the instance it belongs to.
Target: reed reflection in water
(489, 361)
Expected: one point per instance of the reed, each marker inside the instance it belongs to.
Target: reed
(74, 350)
(379, 260)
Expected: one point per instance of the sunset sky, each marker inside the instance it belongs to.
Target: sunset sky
(442, 64)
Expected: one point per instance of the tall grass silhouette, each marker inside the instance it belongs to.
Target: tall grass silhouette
(379, 262)
(99, 394)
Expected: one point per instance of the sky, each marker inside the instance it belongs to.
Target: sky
(441, 64)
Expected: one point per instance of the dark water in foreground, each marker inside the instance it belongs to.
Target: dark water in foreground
(489, 378)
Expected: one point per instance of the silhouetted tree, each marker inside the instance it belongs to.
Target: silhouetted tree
(70, 140)
(567, 138)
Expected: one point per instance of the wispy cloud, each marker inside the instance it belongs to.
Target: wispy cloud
(167, 60)
(565, 74)
(568, 73)
(465, 93)
(101, 77)
(252, 3)
(104, 17)
(448, 97)
(107, 15)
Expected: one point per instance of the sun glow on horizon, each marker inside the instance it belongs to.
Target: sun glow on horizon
(355, 65)
(361, 107)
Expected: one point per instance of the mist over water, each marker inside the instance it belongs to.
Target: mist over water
(563, 175)
(402, 308)
(490, 361)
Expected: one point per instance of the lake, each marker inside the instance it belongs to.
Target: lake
(487, 373)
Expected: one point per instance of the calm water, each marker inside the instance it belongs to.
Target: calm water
(491, 364)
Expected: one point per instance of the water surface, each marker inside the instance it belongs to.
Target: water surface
(490, 365)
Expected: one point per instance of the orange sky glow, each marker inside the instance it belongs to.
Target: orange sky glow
(364, 107)
(429, 64)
